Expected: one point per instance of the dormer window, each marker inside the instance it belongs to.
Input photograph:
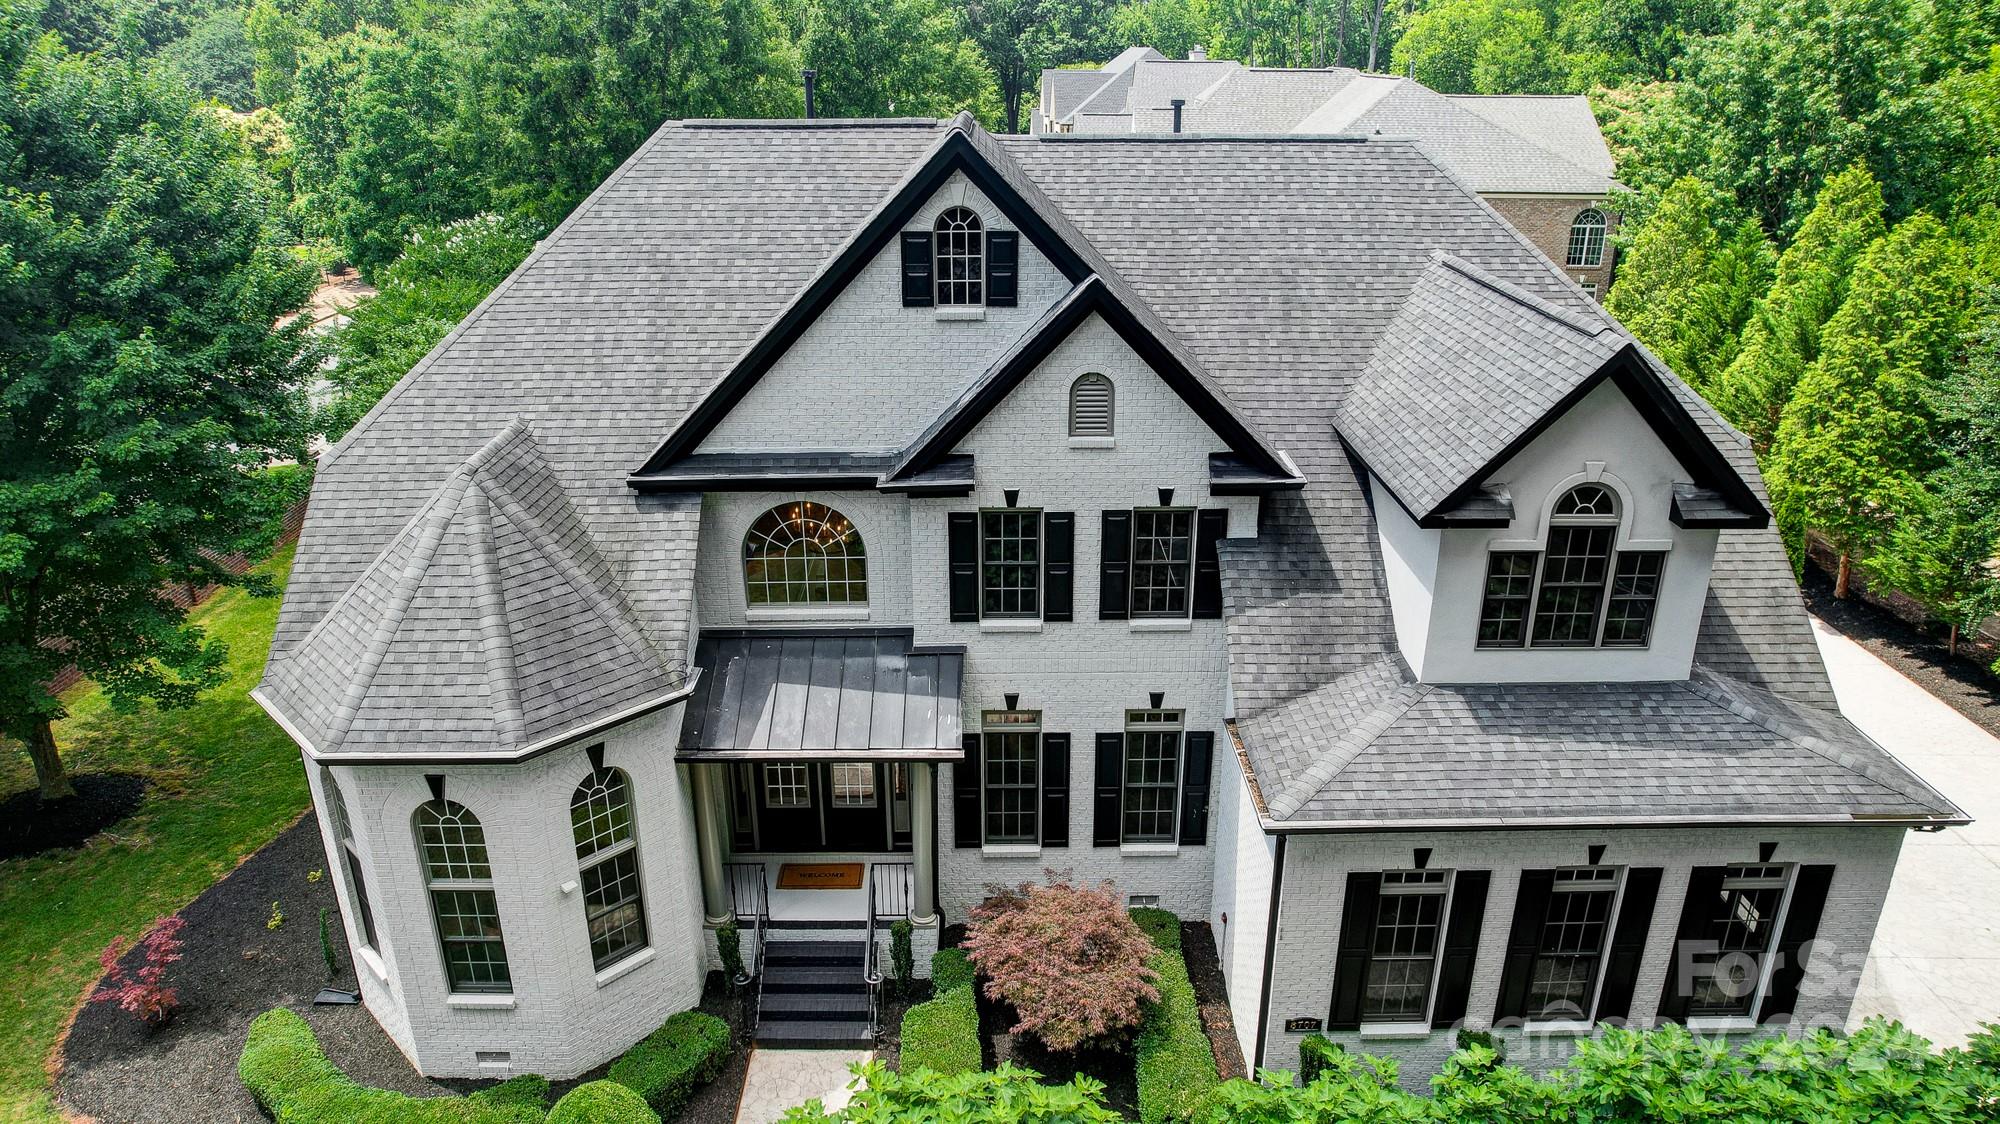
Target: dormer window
(959, 241)
(1579, 592)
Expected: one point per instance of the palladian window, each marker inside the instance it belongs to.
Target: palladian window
(1580, 592)
(804, 553)
(460, 880)
(1586, 239)
(600, 816)
(960, 249)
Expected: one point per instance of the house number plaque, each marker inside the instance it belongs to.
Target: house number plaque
(1301, 1025)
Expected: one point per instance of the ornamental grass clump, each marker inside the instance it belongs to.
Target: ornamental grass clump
(1068, 958)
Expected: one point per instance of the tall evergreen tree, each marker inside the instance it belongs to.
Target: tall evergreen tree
(1688, 283)
(1020, 37)
(141, 378)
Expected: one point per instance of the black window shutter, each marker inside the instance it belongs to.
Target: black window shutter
(917, 269)
(965, 827)
(1055, 790)
(1195, 769)
(1517, 970)
(1628, 942)
(1697, 911)
(1003, 267)
(1350, 961)
(1212, 526)
(1109, 790)
(1114, 587)
(1461, 946)
(1058, 565)
(964, 548)
(1809, 889)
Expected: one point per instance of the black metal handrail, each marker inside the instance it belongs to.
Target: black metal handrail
(891, 896)
(750, 901)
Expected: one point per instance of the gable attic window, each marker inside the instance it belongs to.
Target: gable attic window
(1579, 593)
(960, 249)
(1586, 238)
(804, 553)
(1090, 406)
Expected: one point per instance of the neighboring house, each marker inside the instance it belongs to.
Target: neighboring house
(1539, 160)
(1261, 524)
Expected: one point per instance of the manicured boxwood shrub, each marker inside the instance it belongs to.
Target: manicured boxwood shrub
(942, 1035)
(602, 1102)
(1174, 1067)
(1006, 1095)
(291, 1078)
(668, 1065)
(950, 968)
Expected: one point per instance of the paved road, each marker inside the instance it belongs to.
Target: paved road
(1935, 963)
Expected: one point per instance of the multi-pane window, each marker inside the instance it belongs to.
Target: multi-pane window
(1011, 784)
(1635, 591)
(787, 785)
(804, 553)
(460, 880)
(1010, 570)
(1152, 775)
(1510, 586)
(600, 817)
(853, 784)
(1162, 561)
(1090, 406)
(1572, 589)
(1402, 955)
(961, 258)
(1743, 923)
(1586, 239)
(350, 858)
(1571, 947)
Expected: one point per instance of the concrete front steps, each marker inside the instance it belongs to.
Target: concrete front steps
(814, 996)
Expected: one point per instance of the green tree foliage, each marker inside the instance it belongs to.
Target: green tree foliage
(1020, 37)
(1688, 282)
(1941, 551)
(1172, 27)
(141, 376)
(215, 60)
(1483, 47)
(1860, 430)
(895, 58)
(1305, 32)
(442, 274)
(1782, 337)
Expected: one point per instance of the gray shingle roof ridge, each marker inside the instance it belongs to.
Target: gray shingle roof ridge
(1424, 92)
(496, 636)
(791, 123)
(1519, 97)
(1781, 716)
(1574, 321)
(1400, 691)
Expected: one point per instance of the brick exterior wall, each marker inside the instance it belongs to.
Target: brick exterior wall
(1316, 868)
(1546, 220)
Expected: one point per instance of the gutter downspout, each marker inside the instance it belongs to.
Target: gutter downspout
(1270, 952)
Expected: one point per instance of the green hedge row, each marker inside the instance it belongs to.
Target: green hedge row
(942, 1035)
(292, 1079)
(668, 1065)
(602, 1102)
(1174, 1066)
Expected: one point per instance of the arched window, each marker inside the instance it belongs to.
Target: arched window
(600, 816)
(350, 857)
(460, 880)
(1586, 238)
(1582, 525)
(961, 258)
(1580, 592)
(1090, 402)
(804, 553)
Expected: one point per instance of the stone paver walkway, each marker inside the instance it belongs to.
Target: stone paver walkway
(1935, 963)
(783, 1079)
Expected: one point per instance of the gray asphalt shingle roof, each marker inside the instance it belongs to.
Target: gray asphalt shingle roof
(1278, 264)
(1561, 123)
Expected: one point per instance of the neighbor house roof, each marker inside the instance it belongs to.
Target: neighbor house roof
(635, 312)
(1560, 123)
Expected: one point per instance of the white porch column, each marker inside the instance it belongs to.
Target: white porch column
(708, 810)
(923, 840)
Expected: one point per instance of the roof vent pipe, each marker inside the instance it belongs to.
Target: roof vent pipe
(1197, 53)
(1177, 103)
(812, 82)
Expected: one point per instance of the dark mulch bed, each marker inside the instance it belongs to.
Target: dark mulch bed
(1211, 994)
(28, 826)
(1961, 681)
(234, 968)
(715, 1103)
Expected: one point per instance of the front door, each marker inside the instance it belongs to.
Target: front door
(821, 806)
(788, 808)
(854, 807)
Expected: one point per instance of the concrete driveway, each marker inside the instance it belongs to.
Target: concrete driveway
(1935, 963)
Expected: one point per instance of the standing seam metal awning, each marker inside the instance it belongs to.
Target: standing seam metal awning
(848, 694)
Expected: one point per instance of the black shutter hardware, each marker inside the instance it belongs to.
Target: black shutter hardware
(1697, 913)
(1809, 889)
(1628, 942)
(1461, 946)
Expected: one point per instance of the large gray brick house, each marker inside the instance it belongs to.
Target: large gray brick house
(835, 518)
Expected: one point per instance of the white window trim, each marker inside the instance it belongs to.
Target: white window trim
(1588, 1024)
(498, 1001)
(960, 311)
(1413, 1028)
(849, 612)
(1767, 965)
(624, 966)
(1011, 850)
(1178, 726)
(1093, 442)
(368, 956)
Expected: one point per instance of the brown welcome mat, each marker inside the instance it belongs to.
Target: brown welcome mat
(819, 876)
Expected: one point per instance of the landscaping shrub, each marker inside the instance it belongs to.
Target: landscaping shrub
(666, 1067)
(288, 1074)
(1173, 1064)
(143, 993)
(1316, 1056)
(602, 1102)
(729, 945)
(1161, 927)
(950, 968)
(902, 958)
(1007, 1095)
(1070, 960)
(942, 1035)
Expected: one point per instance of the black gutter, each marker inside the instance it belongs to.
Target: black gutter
(1270, 951)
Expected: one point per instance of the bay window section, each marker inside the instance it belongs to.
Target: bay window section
(1635, 592)
(1510, 587)
(1011, 789)
(614, 912)
(1152, 776)
(459, 878)
(1402, 960)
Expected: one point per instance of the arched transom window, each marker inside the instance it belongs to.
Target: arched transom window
(1090, 406)
(1581, 591)
(1586, 238)
(804, 553)
(600, 816)
(460, 880)
(960, 247)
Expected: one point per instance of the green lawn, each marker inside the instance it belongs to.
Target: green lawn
(224, 781)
